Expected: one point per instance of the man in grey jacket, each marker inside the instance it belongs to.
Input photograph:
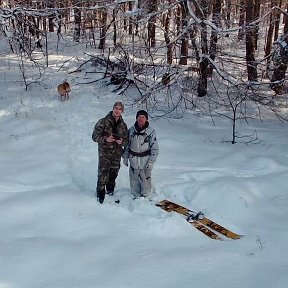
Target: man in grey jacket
(141, 151)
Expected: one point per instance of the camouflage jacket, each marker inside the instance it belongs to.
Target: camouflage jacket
(105, 127)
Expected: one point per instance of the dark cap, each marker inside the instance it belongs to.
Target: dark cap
(142, 112)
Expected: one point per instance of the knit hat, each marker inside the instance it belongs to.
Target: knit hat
(142, 112)
(119, 104)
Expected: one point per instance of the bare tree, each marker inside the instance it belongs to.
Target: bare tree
(184, 34)
(216, 19)
(277, 19)
(169, 44)
(241, 22)
(280, 58)
(103, 27)
(250, 42)
(50, 5)
(77, 20)
(256, 15)
(202, 13)
(269, 38)
(228, 14)
(151, 27)
(193, 38)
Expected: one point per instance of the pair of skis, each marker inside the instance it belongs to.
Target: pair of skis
(203, 224)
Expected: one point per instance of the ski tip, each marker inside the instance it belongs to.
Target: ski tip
(234, 236)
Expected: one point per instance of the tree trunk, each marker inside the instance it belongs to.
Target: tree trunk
(216, 19)
(277, 20)
(50, 18)
(256, 14)
(114, 27)
(77, 23)
(241, 23)
(169, 54)
(270, 31)
(250, 49)
(228, 15)
(103, 28)
(152, 8)
(193, 34)
(281, 61)
(151, 32)
(178, 19)
(203, 65)
(184, 44)
(131, 24)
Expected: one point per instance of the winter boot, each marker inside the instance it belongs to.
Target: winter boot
(101, 196)
(110, 190)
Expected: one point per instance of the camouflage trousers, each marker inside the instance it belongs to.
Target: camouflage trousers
(107, 173)
(140, 182)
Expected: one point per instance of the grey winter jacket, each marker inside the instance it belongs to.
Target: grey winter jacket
(142, 147)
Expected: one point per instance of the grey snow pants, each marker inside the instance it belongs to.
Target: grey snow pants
(140, 182)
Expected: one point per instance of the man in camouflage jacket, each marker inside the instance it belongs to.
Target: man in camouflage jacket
(111, 134)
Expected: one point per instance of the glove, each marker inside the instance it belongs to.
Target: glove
(149, 165)
(125, 161)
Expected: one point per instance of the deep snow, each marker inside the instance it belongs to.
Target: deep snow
(54, 234)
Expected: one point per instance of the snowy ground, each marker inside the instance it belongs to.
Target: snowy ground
(54, 234)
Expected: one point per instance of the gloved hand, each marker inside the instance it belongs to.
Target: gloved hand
(125, 161)
(150, 165)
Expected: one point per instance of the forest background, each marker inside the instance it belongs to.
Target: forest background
(202, 55)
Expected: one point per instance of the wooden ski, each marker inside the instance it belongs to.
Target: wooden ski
(199, 222)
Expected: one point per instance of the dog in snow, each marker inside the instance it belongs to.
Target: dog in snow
(63, 90)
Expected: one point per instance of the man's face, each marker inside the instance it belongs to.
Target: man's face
(141, 120)
(117, 111)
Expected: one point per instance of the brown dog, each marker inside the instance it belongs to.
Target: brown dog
(63, 90)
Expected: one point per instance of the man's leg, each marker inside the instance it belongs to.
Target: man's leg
(113, 173)
(103, 175)
(134, 182)
(146, 182)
